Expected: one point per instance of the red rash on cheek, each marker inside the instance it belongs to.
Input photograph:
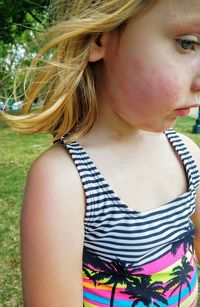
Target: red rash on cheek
(161, 87)
(140, 88)
(149, 84)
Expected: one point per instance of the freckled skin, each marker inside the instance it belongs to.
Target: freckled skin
(145, 76)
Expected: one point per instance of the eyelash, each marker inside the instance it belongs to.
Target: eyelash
(194, 45)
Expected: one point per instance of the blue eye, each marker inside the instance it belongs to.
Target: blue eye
(188, 45)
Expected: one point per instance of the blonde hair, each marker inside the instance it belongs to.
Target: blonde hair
(61, 75)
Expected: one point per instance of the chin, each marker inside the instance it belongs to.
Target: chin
(160, 128)
(163, 126)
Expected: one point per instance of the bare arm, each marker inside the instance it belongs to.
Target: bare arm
(52, 233)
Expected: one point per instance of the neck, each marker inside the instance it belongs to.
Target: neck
(110, 128)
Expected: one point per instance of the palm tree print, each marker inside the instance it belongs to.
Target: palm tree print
(188, 244)
(139, 287)
(142, 290)
(87, 272)
(114, 273)
(181, 277)
(119, 273)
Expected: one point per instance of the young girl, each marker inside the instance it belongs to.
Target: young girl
(112, 209)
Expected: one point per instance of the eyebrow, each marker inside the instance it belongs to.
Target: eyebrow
(192, 23)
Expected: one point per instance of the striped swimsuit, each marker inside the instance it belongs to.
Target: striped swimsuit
(134, 258)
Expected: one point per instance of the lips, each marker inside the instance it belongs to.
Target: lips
(186, 110)
(182, 112)
(196, 105)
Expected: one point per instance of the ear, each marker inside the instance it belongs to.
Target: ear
(98, 49)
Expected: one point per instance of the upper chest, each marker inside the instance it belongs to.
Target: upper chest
(143, 178)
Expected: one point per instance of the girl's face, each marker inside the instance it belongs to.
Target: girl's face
(151, 70)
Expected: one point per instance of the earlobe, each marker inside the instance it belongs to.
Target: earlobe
(98, 49)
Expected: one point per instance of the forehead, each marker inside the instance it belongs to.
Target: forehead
(180, 10)
(165, 17)
(183, 6)
(172, 13)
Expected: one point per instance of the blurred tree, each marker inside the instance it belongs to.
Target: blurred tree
(15, 17)
(20, 22)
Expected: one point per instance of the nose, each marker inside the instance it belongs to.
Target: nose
(196, 85)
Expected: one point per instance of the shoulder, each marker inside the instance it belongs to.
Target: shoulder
(192, 147)
(55, 166)
(53, 177)
(56, 159)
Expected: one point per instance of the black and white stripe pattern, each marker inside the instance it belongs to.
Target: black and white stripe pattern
(112, 230)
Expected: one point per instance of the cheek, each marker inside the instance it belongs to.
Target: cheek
(147, 86)
(159, 90)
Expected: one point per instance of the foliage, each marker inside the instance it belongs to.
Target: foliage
(20, 22)
(18, 16)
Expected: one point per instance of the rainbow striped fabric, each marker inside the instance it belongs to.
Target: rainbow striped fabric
(171, 280)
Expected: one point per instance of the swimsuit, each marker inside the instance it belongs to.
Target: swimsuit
(135, 258)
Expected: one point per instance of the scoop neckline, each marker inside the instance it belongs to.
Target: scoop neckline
(119, 201)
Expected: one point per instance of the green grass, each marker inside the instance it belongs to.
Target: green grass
(16, 155)
(184, 125)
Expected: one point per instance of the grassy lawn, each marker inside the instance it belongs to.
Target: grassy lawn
(16, 155)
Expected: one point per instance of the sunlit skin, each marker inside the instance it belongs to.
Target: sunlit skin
(148, 72)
